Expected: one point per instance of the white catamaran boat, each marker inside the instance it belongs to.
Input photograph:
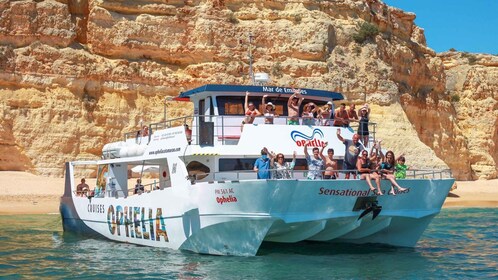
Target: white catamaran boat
(209, 200)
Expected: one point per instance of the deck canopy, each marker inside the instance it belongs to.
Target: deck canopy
(241, 89)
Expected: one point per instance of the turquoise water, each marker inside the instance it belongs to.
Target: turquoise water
(459, 243)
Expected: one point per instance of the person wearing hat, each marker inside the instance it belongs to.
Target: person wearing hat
(324, 113)
(269, 111)
(364, 113)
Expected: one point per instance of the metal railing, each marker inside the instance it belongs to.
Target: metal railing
(228, 128)
(302, 174)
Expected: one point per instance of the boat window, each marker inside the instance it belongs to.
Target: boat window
(234, 105)
(234, 164)
(231, 164)
(198, 170)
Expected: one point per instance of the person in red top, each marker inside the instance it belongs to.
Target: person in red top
(341, 117)
(250, 112)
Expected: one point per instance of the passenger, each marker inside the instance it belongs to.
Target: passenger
(401, 167)
(363, 125)
(308, 114)
(262, 164)
(341, 117)
(363, 164)
(353, 148)
(139, 188)
(293, 104)
(352, 115)
(250, 112)
(145, 131)
(188, 133)
(387, 172)
(269, 110)
(281, 167)
(330, 163)
(325, 114)
(82, 188)
(315, 163)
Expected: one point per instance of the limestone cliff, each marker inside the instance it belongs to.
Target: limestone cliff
(76, 74)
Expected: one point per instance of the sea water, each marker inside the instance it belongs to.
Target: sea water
(459, 243)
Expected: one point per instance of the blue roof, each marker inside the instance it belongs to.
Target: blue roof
(261, 89)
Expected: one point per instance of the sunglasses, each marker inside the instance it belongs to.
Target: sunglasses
(280, 157)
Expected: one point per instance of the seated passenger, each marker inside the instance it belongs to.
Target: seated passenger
(308, 114)
(315, 163)
(293, 104)
(250, 112)
(387, 172)
(139, 188)
(82, 188)
(341, 117)
(269, 112)
(401, 167)
(330, 163)
(281, 167)
(363, 164)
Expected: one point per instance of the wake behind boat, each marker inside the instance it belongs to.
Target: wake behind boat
(209, 200)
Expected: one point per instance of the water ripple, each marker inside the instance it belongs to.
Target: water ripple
(459, 243)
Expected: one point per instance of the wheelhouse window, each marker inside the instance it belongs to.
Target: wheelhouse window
(234, 105)
(236, 164)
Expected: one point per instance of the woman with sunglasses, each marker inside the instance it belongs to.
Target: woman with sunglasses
(281, 168)
(364, 167)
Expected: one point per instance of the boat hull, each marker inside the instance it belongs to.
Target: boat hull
(235, 217)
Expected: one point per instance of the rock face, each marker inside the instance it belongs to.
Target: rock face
(77, 74)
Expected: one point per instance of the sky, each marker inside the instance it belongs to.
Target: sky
(465, 25)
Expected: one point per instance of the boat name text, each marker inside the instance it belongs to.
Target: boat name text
(224, 199)
(282, 90)
(313, 140)
(135, 222)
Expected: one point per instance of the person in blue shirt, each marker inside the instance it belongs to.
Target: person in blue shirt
(262, 164)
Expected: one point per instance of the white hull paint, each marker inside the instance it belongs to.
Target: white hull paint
(262, 210)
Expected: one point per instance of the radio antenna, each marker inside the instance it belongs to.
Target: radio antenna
(251, 74)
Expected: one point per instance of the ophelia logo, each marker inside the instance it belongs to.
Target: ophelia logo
(312, 140)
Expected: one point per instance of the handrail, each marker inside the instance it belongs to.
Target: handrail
(223, 124)
(415, 174)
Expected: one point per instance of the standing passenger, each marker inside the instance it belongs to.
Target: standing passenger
(352, 115)
(315, 163)
(330, 163)
(363, 126)
(262, 164)
(269, 112)
(293, 104)
(353, 148)
(282, 168)
(341, 117)
(325, 113)
(250, 112)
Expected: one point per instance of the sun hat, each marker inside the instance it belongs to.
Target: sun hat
(270, 104)
(330, 103)
(364, 108)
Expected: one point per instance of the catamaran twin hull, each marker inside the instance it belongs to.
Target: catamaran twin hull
(235, 217)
